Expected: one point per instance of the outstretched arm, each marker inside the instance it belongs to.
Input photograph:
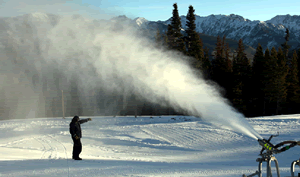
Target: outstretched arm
(84, 120)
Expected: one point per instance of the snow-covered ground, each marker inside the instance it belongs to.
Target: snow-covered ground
(142, 146)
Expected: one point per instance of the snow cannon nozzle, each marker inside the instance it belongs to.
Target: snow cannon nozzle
(262, 142)
(266, 145)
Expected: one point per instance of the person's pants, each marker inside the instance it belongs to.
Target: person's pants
(77, 147)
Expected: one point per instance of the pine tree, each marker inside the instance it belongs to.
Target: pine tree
(206, 65)
(270, 66)
(170, 39)
(265, 80)
(257, 81)
(175, 37)
(227, 58)
(220, 67)
(194, 43)
(158, 39)
(218, 63)
(285, 45)
(218, 48)
(271, 80)
(284, 58)
(241, 77)
(175, 22)
(191, 28)
(282, 73)
(223, 47)
(199, 56)
(228, 70)
(298, 54)
(293, 84)
(165, 40)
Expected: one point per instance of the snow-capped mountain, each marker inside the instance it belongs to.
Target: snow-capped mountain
(291, 22)
(268, 33)
(141, 22)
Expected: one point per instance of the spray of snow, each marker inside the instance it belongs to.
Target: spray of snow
(122, 60)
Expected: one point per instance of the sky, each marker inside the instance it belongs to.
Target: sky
(152, 10)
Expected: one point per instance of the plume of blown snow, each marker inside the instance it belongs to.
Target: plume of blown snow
(115, 57)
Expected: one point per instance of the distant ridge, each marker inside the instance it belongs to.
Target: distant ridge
(268, 33)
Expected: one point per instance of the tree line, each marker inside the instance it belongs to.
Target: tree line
(267, 84)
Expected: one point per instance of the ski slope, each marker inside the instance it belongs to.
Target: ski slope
(142, 146)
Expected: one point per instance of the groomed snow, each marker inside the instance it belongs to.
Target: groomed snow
(142, 146)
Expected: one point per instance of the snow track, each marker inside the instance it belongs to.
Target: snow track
(143, 146)
(192, 137)
(65, 152)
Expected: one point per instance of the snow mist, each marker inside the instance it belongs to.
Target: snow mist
(114, 57)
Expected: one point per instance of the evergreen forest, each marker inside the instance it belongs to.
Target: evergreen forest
(267, 84)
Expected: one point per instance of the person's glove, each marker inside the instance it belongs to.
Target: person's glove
(89, 119)
(76, 137)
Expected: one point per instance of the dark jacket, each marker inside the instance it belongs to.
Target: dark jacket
(75, 128)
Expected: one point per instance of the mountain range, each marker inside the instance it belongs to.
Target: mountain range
(268, 33)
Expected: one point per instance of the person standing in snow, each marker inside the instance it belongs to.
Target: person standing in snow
(75, 131)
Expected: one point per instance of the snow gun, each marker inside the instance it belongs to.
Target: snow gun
(267, 155)
(273, 149)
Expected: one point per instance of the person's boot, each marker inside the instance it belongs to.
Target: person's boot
(77, 158)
